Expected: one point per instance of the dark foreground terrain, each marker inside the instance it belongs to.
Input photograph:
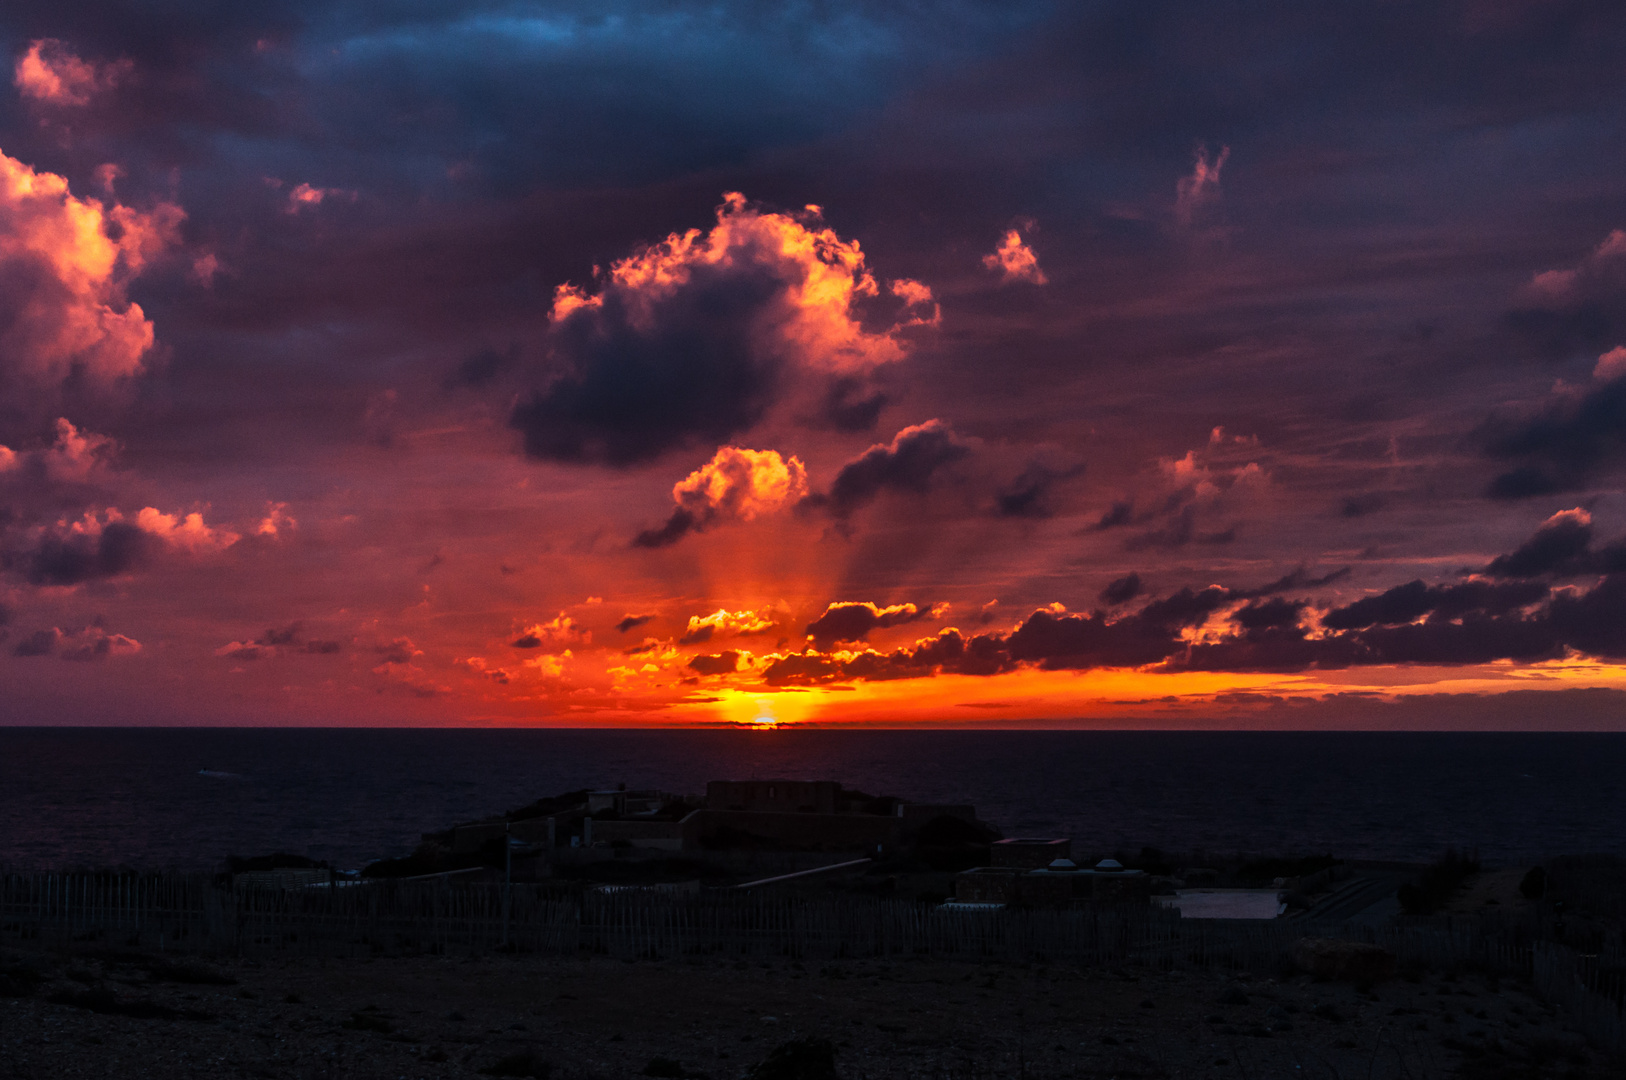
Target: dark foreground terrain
(130, 1014)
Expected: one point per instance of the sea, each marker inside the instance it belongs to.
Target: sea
(187, 798)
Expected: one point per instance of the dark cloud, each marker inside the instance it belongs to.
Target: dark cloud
(526, 641)
(634, 387)
(1563, 448)
(1028, 496)
(629, 621)
(679, 525)
(1119, 513)
(1298, 579)
(906, 464)
(849, 404)
(39, 643)
(848, 621)
(723, 663)
(1411, 601)
(72, 558)
(282, 635)
(1179, 532)
(482, 368)
(1560, 546)
(1356, 506)
(399, 651)
(1121, 590)
(1273, 614)
(1474, 622)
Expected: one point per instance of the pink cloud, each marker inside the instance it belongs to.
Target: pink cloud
(1611, 365)
(48, 73)
(1599, 266)
(812, 319)
(1199, 192)
(68, 261)
(1015, 261)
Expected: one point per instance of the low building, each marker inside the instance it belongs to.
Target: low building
(1060, 883)
(1028, 852)
(774, 796)
(988, 885)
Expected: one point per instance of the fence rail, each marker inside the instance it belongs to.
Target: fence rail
(191, 913)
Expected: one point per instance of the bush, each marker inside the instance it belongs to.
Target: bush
(1533, 886)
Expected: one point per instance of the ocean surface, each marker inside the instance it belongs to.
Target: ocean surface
(168, 797)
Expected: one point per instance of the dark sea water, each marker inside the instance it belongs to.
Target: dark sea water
(188, 797)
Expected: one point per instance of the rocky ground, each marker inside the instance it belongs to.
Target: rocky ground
(140, 1015)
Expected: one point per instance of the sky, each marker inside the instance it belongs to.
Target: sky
(1132, 365)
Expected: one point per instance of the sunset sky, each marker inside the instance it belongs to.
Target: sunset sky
(616, 364)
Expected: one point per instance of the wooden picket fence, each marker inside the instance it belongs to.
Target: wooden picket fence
(193, 913)
(1589, 988)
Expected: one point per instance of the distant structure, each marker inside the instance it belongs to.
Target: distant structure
(772, 815)
(1028, 853)
(1054, 884)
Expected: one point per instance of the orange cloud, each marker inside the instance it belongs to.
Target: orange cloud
(723, 623)
(556, 636)
(1015, 261)
(740, 483)
(188, 533)
(48, 73)
(67, 262)
(308, 197)
(812, 319)
(735, 485)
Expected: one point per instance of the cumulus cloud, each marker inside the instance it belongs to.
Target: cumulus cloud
(73, 457)
(629, 621)
(90, 643)
(186, 533)
(907, 463)
(71, 552)
(735, 485)
(1121, 590)
(1601, 265)
(851, 404)
(850, 621)
(1215, 628)
(1028, 496)
(695, 337)
(723, 663)
(288, 640)
(65, 263)
(277, 521)
(1560, 548)
(106, 544)
(1582, 306)
(1197, 194)
(724, 623)
(557, 635)
(1015, 261)
(1563, 447)
(49, 73)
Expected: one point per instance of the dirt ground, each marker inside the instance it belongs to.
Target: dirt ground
(131, 1015)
